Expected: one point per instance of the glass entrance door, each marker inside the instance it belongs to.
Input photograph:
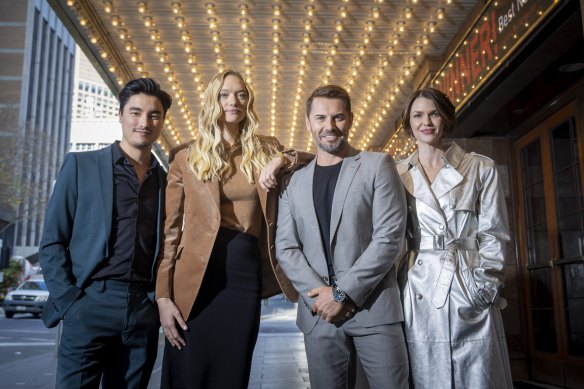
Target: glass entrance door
(549, 163)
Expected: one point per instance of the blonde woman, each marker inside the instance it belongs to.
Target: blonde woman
(218, 251)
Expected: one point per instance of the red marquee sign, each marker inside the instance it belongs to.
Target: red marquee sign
(497, 32)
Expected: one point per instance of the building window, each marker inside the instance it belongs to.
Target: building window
(84, 146)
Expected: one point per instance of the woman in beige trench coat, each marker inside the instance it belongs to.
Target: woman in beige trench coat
(452, 274)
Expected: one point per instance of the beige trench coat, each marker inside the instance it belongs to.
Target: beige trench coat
(450, 279)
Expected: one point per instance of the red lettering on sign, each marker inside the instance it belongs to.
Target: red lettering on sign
(500, 26)
(485, 44)
(453, 74)
(474, 57)
(494, 32)
(464, 68)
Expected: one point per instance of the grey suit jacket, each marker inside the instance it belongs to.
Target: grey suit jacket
(366, 236)
(77, 228)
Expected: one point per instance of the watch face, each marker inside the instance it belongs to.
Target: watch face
(338, 295)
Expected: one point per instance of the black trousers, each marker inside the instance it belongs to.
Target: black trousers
(110, 334)
(224, 322)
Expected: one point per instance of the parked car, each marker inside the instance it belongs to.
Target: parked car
(30, 297)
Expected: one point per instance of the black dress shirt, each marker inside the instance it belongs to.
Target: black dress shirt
(134, 222)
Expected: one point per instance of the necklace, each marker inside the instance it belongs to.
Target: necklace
(230, 137)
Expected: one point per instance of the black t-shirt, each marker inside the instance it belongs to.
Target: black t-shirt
(323, 191)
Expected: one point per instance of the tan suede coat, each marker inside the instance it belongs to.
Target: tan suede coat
(191, 225)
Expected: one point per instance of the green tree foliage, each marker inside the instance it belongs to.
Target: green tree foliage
(10, 278)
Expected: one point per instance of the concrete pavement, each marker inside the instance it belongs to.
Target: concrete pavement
(279, 360)
(28, 353)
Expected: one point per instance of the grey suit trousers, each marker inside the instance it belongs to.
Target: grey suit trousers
(332, 349)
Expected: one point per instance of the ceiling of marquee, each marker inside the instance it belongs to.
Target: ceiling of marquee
(284, 48)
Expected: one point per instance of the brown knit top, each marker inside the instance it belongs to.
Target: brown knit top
(240, 204)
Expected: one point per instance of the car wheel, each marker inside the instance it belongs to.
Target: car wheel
(9, 315)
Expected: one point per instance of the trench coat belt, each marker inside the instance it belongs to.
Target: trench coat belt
(448, 268)
(440, 242)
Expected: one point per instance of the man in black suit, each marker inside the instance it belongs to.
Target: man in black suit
(100, 242)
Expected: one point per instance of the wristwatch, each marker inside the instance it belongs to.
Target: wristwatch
(339, 295)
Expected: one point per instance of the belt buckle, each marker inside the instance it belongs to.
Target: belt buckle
(438, 242)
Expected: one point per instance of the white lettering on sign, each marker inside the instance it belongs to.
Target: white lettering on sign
(505, 19)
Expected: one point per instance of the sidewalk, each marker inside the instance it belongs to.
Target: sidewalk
(279, 360)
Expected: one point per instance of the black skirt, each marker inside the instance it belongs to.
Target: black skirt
(224, 322)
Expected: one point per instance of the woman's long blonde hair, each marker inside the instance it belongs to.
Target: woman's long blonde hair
(207, 156)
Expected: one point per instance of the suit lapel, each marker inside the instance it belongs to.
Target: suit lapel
(305, 191)
(262, 194)
(213, 187)
(160, 219)
(105, 171)
(348, 170)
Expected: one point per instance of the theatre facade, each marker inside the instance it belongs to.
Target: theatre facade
(513, 68)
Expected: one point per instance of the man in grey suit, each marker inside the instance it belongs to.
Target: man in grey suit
(102, 234)
(340, 231)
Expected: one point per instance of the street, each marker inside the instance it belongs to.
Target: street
(28, 352)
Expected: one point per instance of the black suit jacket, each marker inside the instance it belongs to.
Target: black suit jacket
(77, 228)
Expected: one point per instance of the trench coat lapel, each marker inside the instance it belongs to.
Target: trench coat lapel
(349, 168)
(445, 181)
(448, 177)
(417, 185)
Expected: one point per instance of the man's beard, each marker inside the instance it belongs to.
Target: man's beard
(331, 148)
